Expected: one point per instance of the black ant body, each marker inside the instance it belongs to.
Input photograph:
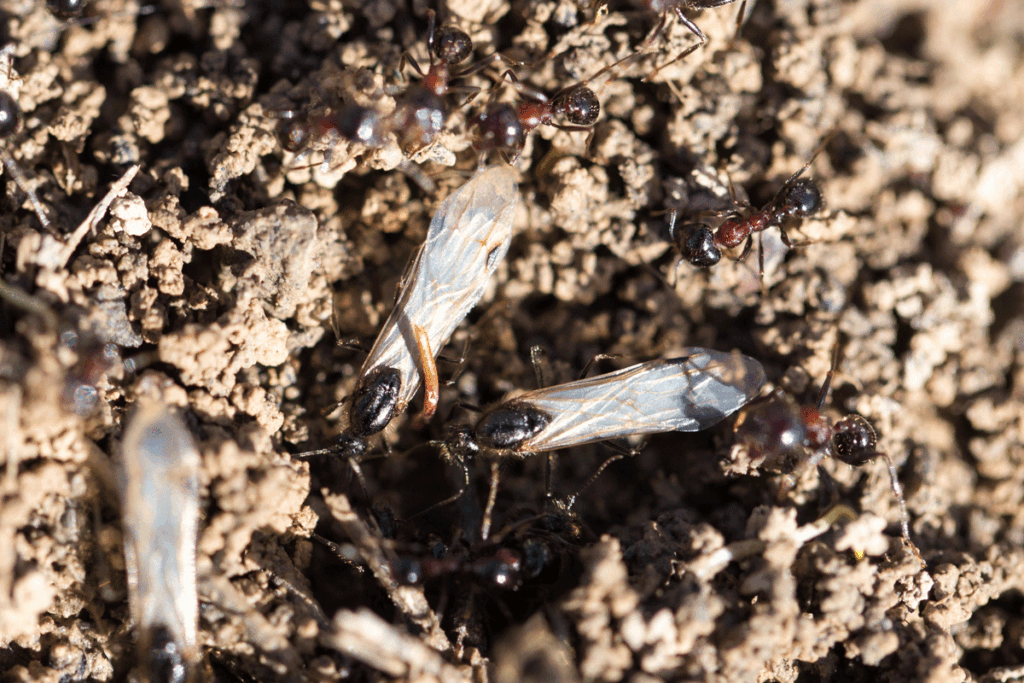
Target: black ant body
(797, 198)
(776, 431)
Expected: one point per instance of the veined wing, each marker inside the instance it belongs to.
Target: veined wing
(468, 236)
(160, 512)
(685, 394)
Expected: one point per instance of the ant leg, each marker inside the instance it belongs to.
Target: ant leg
(460, 361)
(538, 371)
(352, 345)
(492, 497)
(524, 89)
(596, 358)
(897, 489)
(477, 67)
(827, 384)
(450, 499)
(407, 58)
(431, 384)
(620, 455)
(746, 248)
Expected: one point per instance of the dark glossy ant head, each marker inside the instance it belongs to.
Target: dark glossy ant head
(696, 243)
(374, 401)
(509, 425)
(500, 128)
(452, 46)
(162, 659)
(854, 440)
(460, 443)
(9, 114)
(802, 198)
(349, 446)
(66, 9)
(579, 105)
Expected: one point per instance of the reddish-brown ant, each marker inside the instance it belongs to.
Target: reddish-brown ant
(797, 198)
(504, 127)
(776, 432)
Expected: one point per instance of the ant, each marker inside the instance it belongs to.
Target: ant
(774, 430)
(419, 114)
(504, 127)
(797, 198)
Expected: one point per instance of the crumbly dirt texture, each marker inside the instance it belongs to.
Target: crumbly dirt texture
(226, 269)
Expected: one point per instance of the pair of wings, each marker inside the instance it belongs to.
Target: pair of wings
(160, 508)
(469, 235)
(685, 394)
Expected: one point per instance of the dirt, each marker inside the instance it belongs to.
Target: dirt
(226, 270)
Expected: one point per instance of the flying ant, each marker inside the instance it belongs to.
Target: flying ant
(797, 198)
(775, 431)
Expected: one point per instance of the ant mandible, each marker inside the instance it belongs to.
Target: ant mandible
(797, 198)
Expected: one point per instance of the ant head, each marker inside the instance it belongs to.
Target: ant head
(854, 441)
(501, 128)
(9, 114)
(460, 443)
(293, 134)
(349, 446)
(803, 198)
(452, 46)
(579, 105)
(65, 9)
(696, 243)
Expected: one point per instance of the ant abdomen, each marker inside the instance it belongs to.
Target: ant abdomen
(696, 243)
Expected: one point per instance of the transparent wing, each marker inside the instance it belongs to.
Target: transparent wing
(683, 394)
(160, 513)
(468, 236)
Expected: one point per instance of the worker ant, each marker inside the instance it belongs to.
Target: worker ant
(797, 198)
(504, 127)
(776, 432)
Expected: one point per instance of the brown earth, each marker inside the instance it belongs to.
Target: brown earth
(222, 269)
